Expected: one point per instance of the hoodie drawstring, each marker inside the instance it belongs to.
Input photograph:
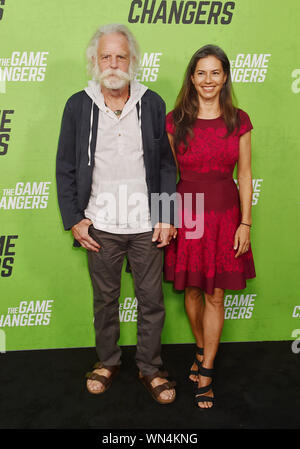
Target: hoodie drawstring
(140, 113)
(91, 131)
(140, 121)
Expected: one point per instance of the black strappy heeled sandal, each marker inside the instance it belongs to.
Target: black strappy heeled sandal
(199, 392)
(195, 372)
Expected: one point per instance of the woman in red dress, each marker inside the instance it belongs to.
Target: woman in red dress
(212, 251)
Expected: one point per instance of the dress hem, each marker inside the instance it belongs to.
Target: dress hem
(208, 285)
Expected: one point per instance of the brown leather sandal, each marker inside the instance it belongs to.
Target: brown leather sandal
(156, 391)
(106, 381)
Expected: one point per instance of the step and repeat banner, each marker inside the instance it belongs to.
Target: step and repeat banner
(45, 289)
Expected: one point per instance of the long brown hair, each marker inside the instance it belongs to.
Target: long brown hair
(187, 103)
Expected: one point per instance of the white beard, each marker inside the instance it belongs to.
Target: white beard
(119, 79)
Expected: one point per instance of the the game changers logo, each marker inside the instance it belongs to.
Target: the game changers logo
(296, 312)
(296, 342)
(185, 12)
(5, 129)
(250, 68)
(2, 3)
(7, 254)
(296, 332)
(239, 307)
(23, 67)
(128, 310)
(296, 83)
(256, 185)
(149, 67)
(28, 313)
(25, 195)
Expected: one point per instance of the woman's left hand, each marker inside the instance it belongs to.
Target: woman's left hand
(242, 240)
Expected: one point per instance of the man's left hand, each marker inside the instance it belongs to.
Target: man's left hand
(163, 233)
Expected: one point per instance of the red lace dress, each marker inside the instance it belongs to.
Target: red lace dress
(207, 261)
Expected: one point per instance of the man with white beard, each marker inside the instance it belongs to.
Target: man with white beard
(113, 154)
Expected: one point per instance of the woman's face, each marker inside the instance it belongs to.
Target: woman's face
(209, 78)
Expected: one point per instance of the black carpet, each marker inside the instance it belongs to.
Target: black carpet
(257, 387)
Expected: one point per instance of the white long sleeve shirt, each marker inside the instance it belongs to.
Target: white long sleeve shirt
(119, 194)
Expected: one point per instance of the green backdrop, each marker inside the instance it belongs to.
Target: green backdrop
(46, 295)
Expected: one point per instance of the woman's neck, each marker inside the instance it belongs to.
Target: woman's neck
(209, 109)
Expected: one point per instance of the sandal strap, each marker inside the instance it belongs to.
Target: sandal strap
(91, 375)
(156, 391)
(199, 350)
(204, 399)
(166, 386)
(206, 372)
(202, 390)
(195, 372)
(99, 378)
(198, 363)
(159, 388)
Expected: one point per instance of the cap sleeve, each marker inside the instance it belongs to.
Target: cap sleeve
(245, 121)
(169, 123)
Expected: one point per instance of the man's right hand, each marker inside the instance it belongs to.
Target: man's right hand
(80, 232)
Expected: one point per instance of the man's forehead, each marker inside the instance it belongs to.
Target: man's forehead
(113, 42)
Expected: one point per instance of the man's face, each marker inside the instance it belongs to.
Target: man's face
(113, 59)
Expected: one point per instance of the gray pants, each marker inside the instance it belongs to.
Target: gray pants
(105, 270)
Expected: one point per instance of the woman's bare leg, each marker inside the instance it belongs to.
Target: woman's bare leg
(213, 320)
(194, 306)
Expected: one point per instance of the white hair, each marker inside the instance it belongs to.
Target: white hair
(91, 51)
